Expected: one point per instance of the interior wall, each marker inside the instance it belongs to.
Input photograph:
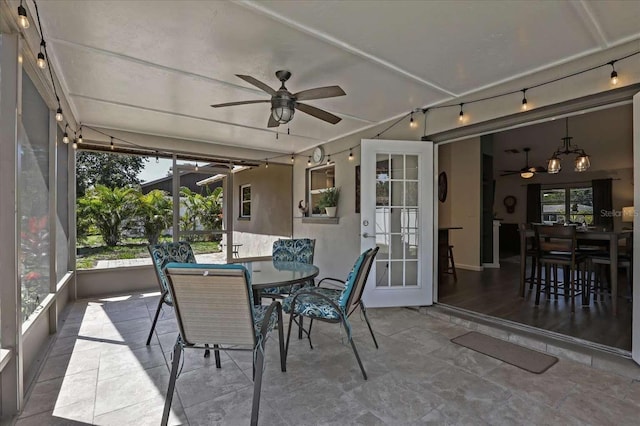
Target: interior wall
(271, 201)
(461, 161)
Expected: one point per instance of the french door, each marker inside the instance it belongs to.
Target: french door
(397, 202)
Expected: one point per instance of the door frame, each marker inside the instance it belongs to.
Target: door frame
(609, 99)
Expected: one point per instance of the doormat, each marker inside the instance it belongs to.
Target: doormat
(527, 359)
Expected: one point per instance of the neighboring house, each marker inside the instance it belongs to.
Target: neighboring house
(191, 180)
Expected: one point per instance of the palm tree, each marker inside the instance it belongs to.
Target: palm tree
(156, 211)
(109, 210)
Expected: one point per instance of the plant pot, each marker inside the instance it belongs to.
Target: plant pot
(331, 211)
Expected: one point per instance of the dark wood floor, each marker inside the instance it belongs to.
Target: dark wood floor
(494, 292)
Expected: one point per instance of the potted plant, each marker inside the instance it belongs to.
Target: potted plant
(329, 201)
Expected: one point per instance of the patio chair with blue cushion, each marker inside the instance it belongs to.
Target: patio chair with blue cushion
(161, 255)
(214, 306)
(333, 305)
(293, 250)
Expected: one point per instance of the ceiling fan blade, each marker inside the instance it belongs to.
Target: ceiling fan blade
(240, 103)
(257, 83)
(318, 113)
(538, 169)
(272, 122)
(319, 93)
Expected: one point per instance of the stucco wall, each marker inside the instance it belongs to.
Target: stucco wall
(271, 201)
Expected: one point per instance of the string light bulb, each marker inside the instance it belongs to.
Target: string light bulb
(266, 164)
(80, 135)
(75, 144)
(413, 123)
(350, 154)
(112, 145)
(23, 20)
(42, 62)
(329, 159)
(524, 99)
(157, 158)
(59, 116)
(309, 161)
(65, 136)
(614, 73)
(461, 115)
(293, 158)
(196, 169)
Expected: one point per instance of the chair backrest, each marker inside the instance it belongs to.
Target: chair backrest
(213, 303)
(556, 238)
(356, 281)
(164, 253)
(294, 250)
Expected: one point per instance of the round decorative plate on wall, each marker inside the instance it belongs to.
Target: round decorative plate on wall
(442, 187)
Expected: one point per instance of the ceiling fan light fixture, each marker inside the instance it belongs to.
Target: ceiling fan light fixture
(282, 113)
(527, 174)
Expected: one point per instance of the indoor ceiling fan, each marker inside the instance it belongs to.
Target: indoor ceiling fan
(284, 103)
(527, 171)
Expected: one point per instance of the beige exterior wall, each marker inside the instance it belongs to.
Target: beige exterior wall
(271, 203)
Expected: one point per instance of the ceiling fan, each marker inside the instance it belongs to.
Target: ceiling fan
(527, 172)
(284, 103)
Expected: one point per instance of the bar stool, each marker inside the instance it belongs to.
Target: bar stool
(530, 251)
(451, 264)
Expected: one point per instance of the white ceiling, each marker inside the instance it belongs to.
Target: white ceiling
(154, 67)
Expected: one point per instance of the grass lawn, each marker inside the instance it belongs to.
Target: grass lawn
(93, 249)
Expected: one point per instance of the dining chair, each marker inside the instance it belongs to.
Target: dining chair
(290, 250)
(557, 246)
(161, 255)
(333, 305)
(599, 261)
(214, 307)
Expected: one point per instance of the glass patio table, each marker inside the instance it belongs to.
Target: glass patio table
(267, 273)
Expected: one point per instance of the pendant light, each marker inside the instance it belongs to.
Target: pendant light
(23, 20)
(581, 162)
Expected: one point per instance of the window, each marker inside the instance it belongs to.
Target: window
(567, 205)
(245, 201)
(319, 180)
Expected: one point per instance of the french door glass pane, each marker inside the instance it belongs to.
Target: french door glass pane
(397, 220)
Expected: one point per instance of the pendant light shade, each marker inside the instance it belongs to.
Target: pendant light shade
(582, 162)
(554, 165)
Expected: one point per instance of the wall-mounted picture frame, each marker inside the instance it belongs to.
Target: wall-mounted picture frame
(357, 189)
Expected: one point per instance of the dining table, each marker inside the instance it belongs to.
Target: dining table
(611, 237)
(269, 273)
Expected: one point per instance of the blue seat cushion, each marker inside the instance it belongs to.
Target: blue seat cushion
(312, 306)
(258, 316)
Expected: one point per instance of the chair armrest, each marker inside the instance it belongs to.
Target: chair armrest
(331, 279)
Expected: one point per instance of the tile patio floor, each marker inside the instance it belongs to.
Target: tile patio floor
(99, 371)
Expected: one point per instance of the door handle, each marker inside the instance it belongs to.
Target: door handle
(366, 235)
